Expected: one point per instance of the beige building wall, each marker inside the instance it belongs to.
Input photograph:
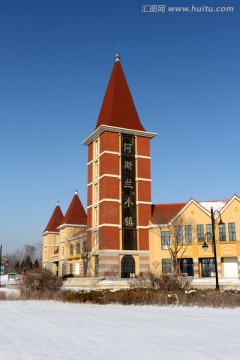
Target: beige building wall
(228, 251)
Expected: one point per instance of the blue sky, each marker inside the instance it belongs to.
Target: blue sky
(183, 70)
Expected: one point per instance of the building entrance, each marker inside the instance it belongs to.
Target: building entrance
(127, 266)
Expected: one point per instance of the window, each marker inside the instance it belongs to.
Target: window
(208, 267)
(166, 239)
(231, 232)
(78, 249)
(186, 266)
(222, 232)
(209, 232)
(166, 266)
(96, 147)
(179, 233)
(95, 239)
(96, 169)
(96, 265)
(71, 269)
(200, 233)
(96, 192)
(95, 216)
(71, 250)
(84, 246)
(188, 233)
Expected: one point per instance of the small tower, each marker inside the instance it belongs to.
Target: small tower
(74, 220)
(119, 184)
(50, 237)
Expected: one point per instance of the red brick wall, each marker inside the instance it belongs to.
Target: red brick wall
(143, 168)
(144, 191)
(109, 141)
(143, 239)
(108, 238)
(109, 212)
(109, 188)
(109, 164)
(143, 146)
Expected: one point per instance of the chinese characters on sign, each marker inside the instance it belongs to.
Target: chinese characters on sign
(128, 193)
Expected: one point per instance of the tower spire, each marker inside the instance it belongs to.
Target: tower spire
(118, 109)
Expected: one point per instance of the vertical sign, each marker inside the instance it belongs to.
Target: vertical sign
(129, 241)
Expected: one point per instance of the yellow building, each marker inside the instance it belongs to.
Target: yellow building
(64, 240)
(178, 232)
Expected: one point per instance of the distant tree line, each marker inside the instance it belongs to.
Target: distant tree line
(20, 261)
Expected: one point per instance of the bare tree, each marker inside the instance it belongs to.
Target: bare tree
(176, 237)
(13, 260)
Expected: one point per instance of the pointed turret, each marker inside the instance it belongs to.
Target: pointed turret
(75, 214)
(55, 220)
(118, 108)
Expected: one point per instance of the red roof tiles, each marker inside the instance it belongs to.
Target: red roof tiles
(118, 108)
(55, 220)
(75, 214)
(164, 213)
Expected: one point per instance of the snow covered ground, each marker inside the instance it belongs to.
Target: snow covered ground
(51, 330)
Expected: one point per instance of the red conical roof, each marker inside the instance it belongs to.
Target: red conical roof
(75, 214)
(55, 220)
(118, 108)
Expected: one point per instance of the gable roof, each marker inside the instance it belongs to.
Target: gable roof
(55, 220)
(118, 108)
(75, 214)
(164, 213)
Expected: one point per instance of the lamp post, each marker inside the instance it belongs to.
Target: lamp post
(205, 245)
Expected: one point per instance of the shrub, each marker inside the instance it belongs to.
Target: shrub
(140, 296)
(155, 281)
(40, 284)
(2, 296)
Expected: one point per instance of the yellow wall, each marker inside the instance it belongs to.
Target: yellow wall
(194, 214)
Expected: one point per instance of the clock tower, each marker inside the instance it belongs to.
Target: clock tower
(119, 184)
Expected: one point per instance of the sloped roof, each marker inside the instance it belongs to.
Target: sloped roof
(215, 204)
(164, 213)
(118, 108)
(75, 214)
(55, 220)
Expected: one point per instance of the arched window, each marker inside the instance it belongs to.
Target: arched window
(78, 249)
(127, 266)
(71, 250)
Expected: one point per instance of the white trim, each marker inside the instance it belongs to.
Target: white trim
(102, 176)
(95, 228)
(144, 202)
(71, 225)
(115, 176)
(142, 157)
(143, 179)
(235, 197)
(101, 129)
(123, 252)
(50, 232)
(102, 153)
(119, 201)
(114, 225)
(94, 204)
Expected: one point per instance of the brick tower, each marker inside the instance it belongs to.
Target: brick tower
(119, 184)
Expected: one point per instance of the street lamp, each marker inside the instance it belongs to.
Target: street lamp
(205, 245)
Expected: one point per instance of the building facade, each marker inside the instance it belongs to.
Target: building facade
(185, 227)
(123, 233)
